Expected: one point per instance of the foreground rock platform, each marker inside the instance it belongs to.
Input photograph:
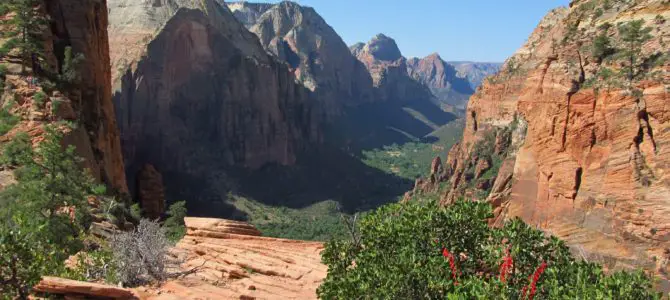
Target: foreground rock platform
(233, 261)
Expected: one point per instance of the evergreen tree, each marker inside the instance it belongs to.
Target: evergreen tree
(43, 215)
(27, 28)
(632, 36)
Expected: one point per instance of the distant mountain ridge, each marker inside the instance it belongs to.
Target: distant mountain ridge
(475, 72)
(442, 79)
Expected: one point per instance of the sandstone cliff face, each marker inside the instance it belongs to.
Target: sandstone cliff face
(203, 95)
(580, 155)
(441, 78)
(82, 25)
(317, 55)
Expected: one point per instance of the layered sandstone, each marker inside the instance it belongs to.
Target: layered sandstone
(319, 58)
(441, 78)
(197, 93)
(233, 262)
(582, 157)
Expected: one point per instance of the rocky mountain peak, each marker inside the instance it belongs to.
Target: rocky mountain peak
(435, 57)
(382, 47)
(441, 78)
(318, 56)
(247, 13)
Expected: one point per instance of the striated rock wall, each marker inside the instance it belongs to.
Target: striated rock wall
(200, 94)
(234, 262)
(577, 153)
(82, 25)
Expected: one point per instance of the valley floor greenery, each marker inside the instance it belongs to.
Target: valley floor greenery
(419, 250)
(412, 160)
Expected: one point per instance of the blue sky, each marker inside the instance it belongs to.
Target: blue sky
(479, 30)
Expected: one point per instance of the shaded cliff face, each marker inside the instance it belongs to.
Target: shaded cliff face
(82, 25)
(204, 98)
(475, 72)
(317, 55)
(564, 139)
(441, 78)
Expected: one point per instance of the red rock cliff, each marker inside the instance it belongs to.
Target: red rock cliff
(82, 25)
(565, 140)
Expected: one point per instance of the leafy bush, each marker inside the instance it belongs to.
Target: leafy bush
(174, 223)
(24, 258)
(417, 250)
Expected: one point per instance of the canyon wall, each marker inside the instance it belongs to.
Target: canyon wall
(567, 139)
(82, 25)
(196, 94)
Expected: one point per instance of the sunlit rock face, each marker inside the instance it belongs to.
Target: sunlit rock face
(583, 158)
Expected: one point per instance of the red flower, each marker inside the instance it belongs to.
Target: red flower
(452, 265)
(533, 283)
(536, 277)
(506, 266)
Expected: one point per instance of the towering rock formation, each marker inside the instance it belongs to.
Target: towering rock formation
(82, 25)
(197, 94)
(442, 79)
(388, 68)
(317, 55)
(475, 72)
(571, 144)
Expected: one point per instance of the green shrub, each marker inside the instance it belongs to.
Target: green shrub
(39, 98)
(418, 250)
(7, 120)
(174, 225)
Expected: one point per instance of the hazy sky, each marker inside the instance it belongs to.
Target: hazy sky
(479, 30)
